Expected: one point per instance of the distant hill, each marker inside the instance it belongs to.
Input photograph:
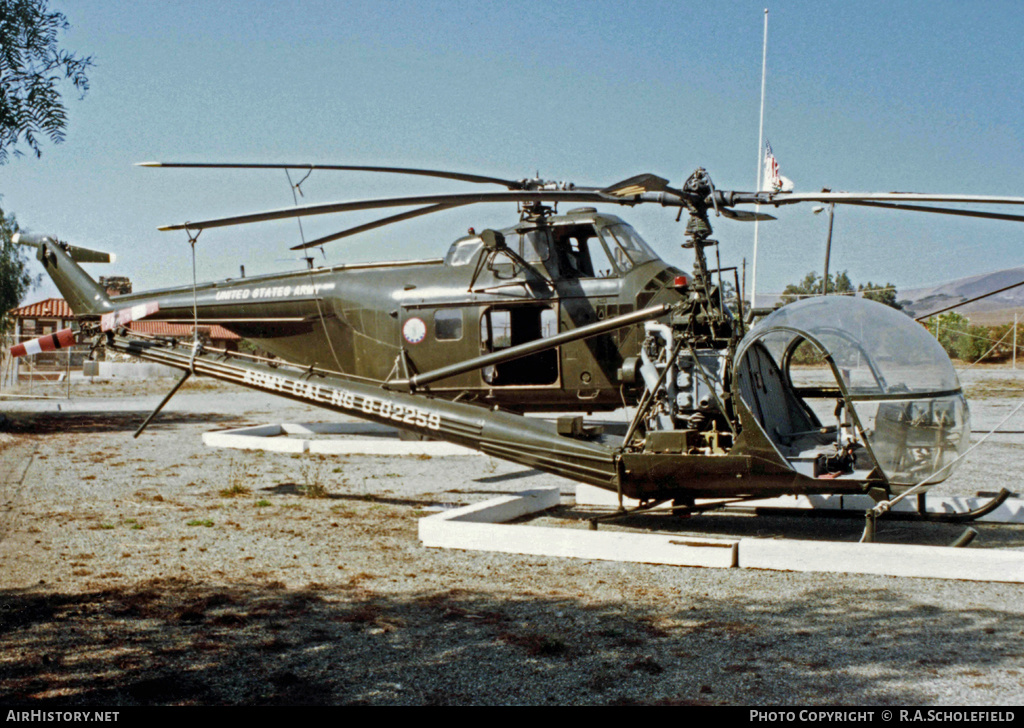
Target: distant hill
(988, 311)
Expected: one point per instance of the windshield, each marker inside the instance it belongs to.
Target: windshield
(628, 248)
(842, 354)
(462, 251)
(878, 349)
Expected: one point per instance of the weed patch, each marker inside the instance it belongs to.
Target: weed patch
(536, 644)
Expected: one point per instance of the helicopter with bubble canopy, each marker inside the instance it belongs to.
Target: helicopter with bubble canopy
(574, 313)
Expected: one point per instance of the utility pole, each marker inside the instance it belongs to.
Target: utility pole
(743, 291)
(828, 244)
(760, 159)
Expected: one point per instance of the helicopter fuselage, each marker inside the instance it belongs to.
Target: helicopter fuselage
(387, 320)
(575, 313)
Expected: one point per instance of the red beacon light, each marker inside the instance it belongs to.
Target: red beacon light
(681, 283)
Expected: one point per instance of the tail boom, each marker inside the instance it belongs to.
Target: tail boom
(82, 293)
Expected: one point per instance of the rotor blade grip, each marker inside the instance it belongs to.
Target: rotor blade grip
(33, 239)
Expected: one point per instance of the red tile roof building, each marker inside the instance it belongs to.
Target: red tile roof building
(50, 308)
(163, 328)
(55, 313)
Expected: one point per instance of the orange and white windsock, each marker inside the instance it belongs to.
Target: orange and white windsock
(51, 342)
(124, 316)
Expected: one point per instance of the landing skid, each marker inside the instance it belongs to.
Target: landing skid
(1002, 508)
(871, 519)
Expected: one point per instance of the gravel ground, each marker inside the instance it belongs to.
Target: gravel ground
(158, 571)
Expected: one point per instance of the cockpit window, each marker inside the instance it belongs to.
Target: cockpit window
(580, 253)
(532, 245)
(535, 248)
(462, 251)
(628, 248)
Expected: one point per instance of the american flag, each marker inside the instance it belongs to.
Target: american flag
(773, 181)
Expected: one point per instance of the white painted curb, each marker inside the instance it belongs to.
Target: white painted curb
(934, 562)
(1012, 511)
(479, 527)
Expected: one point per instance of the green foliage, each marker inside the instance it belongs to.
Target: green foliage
(839, 284)
(960, 338)
(807, 354)
(811, 286)
(1003, 334)
(882, 293)
(15, 280)
(32, 70)
(731, 297)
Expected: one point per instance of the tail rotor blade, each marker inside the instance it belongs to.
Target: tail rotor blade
(79, 255)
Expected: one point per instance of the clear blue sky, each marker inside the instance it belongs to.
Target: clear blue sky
(910, 96)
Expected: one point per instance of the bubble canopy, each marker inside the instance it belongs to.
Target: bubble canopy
(894, 379)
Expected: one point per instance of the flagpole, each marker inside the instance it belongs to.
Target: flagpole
(760, 152)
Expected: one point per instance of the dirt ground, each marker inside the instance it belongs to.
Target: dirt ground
(160, 571)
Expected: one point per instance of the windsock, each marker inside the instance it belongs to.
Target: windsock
(67, 337)
(51, 342)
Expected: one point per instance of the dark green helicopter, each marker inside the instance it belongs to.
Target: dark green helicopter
(574, 313)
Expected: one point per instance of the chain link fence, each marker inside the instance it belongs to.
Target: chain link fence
(47, 374)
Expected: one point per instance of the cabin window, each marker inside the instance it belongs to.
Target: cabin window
(501, 328)
(448, 324)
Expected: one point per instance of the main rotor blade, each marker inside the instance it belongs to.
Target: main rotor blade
(637, 185)
(476, 178)
(942, 210)
(789, 198)
(457, 199)
(371, 225)
(747, 216)
(958, 304)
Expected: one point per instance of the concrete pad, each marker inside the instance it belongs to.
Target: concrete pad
(286, 437)
(262, 437)
(504, 508)
(935, 562)
(134, 370)
(478, 528)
